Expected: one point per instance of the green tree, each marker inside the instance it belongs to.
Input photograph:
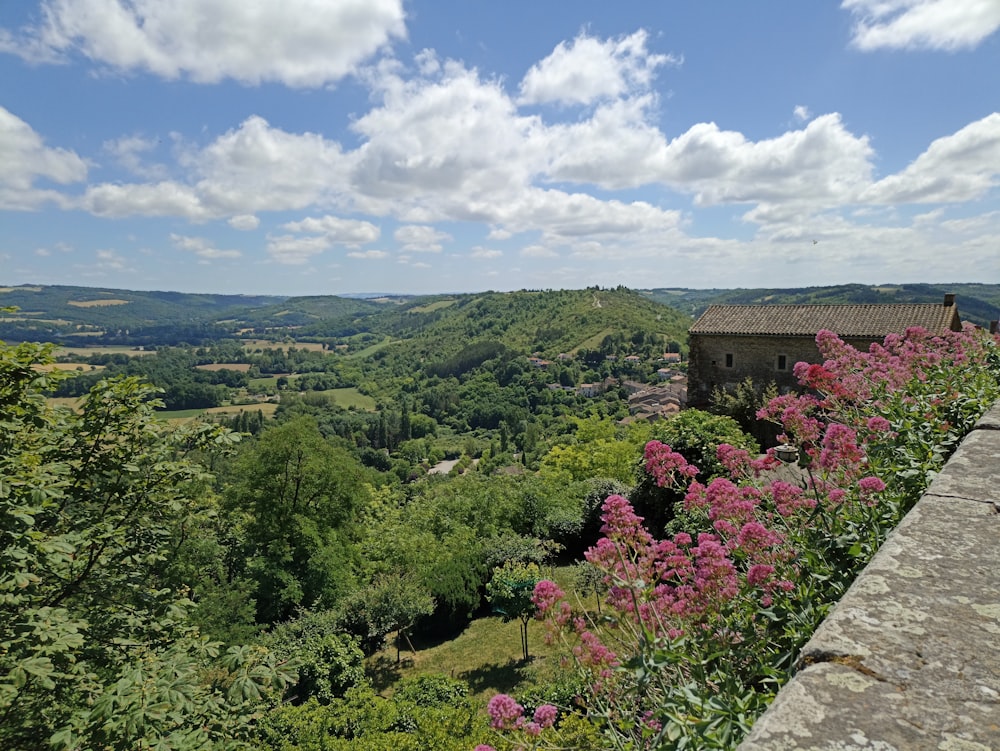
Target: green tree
(510, 590)
(391, 603)
(93, 652)
(302, 495)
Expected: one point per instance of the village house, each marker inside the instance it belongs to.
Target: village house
(730, 343)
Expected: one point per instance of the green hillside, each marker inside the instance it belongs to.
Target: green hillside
(547, 322)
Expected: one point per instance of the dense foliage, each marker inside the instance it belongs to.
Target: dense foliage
(94, 651)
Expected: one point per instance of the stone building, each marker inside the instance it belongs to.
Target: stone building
(729, 343)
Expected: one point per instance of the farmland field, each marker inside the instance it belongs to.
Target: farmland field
(70, 367)
(241, 367)
(109, 350)
(253, 344)
(349, 397)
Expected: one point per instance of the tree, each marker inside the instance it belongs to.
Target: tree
(510, 590)
(93, 652)
(391, 603)
(302, 495)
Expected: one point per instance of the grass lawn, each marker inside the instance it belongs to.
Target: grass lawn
(487, 654)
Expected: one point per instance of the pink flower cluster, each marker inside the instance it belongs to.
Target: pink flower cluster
(507, 714)
(665, 465)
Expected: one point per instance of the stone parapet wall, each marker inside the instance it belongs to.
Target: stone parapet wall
(909, 659)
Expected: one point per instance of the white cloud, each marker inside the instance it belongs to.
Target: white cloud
(244, 222)
(259, 168)
(485, 253)
(294, 42)
(202, 247)
(337, 230)
(959, 167)
(447, 147)
(801, 113)
(288, 249)
(590, 69)
(989, 221)
(166, 198)
(922, 24)
(43, 252)
(110, 260)
(25, 159)
(129, 151)
(369, 255)
(420, 238)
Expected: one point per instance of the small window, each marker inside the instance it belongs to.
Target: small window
(729, 360)
(782, 362)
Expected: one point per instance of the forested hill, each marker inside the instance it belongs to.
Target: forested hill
(81, 315)
(547, 322)
(977, 303)
(544, 321)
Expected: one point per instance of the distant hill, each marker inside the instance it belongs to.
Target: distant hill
(977, 303)
(547, 322)
(81, 315)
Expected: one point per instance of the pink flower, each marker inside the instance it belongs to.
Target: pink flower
(504, 712)
(666, 466)
(546, 594)
(759, 573)
(869, 486)
(878, 425)
(545, 715)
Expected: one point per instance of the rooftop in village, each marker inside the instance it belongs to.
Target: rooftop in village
(854, 320)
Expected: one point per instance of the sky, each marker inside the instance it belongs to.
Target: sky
(298, 147)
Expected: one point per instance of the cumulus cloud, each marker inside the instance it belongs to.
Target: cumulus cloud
(420, 238)
(166, 198)
(244, 222)
(295, 42)
(959, 167)
(337, 230)
(801, 113)
(202, 247)
(368, 255)
(823, 162)
(292, 250)
(922, 24)
(447, 146)
(485, 253)
(589, 69)
(26, 159)
(256, 167)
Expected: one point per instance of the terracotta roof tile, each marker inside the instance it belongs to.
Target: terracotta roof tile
(868, 320)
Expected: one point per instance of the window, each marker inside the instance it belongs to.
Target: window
(782, 362)
(729, 359)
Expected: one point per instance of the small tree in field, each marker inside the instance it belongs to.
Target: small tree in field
(510, 593)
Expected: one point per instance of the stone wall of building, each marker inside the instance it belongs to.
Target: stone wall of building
(756, 357)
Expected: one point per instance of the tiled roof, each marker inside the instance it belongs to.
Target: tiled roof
(844, 320)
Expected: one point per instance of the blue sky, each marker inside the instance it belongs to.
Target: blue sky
(335, 146)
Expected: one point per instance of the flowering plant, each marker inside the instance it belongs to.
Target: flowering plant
(702, 628)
